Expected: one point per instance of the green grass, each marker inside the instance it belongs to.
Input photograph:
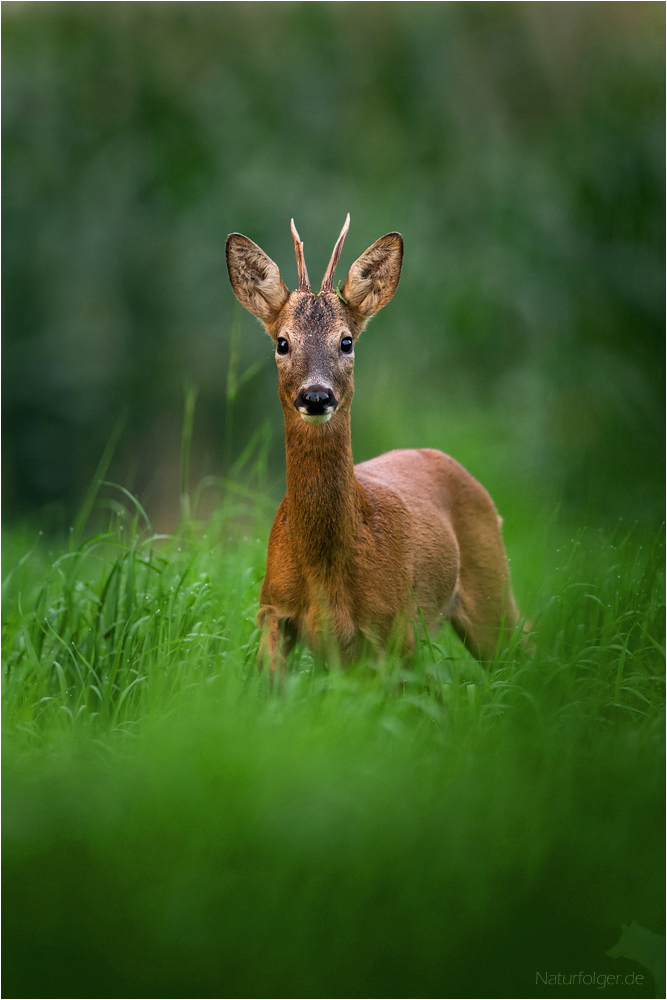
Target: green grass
(173, 827)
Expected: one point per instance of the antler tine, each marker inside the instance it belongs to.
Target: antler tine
(327, 280)
(304, 284)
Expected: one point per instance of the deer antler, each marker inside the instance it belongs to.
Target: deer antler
(327, 280)
(304, 284)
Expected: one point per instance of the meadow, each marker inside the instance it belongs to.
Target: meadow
(172, 826)
(175, 827)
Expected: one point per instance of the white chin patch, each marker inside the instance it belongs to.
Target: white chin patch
(321, 418)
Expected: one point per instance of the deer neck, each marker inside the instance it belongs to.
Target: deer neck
(323, 496)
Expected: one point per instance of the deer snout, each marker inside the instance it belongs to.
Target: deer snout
(316, 403)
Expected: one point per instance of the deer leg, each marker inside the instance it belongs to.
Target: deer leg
(278, 639)
(485, 619)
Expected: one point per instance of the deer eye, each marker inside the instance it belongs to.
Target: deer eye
(282, 347)
(346, 345)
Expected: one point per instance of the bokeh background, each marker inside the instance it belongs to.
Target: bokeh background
(168, 824)
(518, 147)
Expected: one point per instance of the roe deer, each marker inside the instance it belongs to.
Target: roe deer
(354, 549)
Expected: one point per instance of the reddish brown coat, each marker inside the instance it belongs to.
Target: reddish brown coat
(354, 549)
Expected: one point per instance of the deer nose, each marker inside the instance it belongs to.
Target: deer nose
(315, 400)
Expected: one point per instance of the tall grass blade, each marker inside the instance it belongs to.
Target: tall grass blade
(97, 480)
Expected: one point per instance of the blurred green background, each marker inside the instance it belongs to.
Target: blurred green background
(519, 148)
(169, 825)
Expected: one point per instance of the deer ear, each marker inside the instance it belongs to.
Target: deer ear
(373, 278)
(255, 279)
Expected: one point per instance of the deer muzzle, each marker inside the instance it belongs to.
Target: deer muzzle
(316, 403)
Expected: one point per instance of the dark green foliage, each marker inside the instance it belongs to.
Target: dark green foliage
(519, 148)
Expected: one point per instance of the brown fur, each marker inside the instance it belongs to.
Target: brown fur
(354, 549)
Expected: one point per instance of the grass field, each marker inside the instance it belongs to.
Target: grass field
(433, 828)
(172, 827)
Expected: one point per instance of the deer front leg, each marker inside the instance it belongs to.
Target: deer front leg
(278, 639)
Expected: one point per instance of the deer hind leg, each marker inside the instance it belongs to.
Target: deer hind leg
(485, 615)
(485, 622)
(279, 637)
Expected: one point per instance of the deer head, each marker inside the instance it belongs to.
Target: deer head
(315, 334)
